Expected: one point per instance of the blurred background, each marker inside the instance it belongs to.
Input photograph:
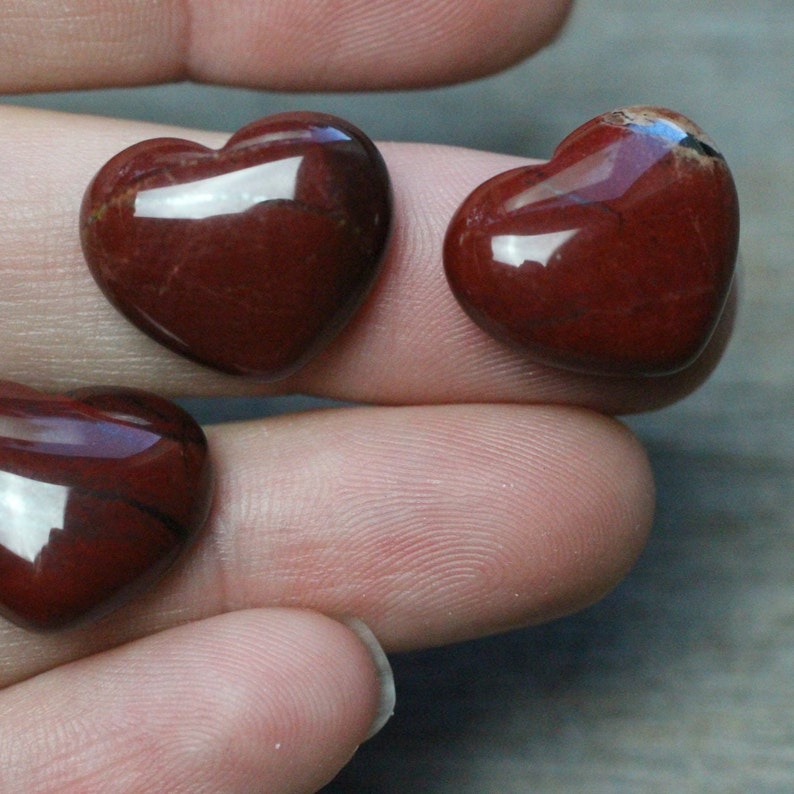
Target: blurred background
(682, 680)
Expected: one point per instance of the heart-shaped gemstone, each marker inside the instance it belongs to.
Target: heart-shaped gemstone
(99, 491)
(616, 256)
(250, 258)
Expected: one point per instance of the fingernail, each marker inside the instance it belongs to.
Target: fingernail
(388, 695)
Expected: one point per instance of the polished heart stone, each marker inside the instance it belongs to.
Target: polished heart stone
(99, 492)
(250, 258)
(615, 257)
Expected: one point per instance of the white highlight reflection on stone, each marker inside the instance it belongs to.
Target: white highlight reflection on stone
(84, 436)
(516, 249)
(595, 169)
(43, 430)
(29, 511)
(226, 194)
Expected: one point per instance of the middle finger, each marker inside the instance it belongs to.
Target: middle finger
(432, 524)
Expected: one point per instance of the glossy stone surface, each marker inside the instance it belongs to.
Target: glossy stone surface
(248, 259)
(616, 256)
(99, 492)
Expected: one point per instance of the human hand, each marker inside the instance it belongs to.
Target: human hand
(478, 493)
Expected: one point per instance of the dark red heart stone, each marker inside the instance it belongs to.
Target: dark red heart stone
(99, 492)
(250, 258)
(616, 256)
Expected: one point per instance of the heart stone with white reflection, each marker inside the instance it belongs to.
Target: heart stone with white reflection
(99, 492)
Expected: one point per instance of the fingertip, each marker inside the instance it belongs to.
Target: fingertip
(376, 44)
(256, 700)
(625, 478)
(598, 516)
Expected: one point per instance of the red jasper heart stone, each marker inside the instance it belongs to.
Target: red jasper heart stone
(250, 258)
(616, 256)
(99, 491)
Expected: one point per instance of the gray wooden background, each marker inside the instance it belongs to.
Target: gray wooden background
(682, 680)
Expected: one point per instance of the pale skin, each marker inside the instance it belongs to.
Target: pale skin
(477, 493)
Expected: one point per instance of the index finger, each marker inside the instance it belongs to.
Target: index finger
(280, 44)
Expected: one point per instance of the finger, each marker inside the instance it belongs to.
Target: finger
(432, 524)
(281, 44)
(256, 701)
(411, 342)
